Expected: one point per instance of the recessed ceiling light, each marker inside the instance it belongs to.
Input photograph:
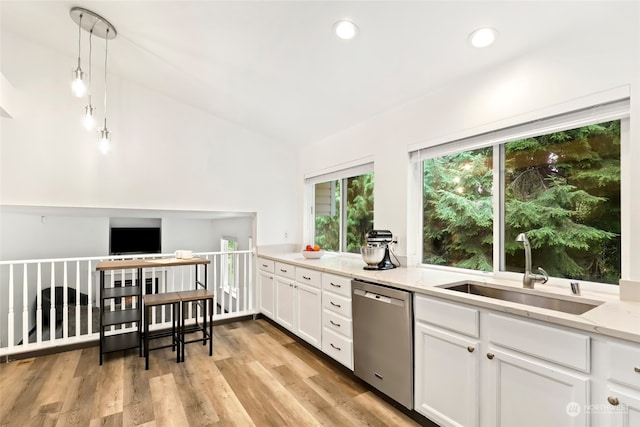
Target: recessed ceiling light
(346, 30)
(483, 37)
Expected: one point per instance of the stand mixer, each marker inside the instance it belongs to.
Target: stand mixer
(376, 253)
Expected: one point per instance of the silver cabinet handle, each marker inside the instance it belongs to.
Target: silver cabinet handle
(306, 278)
(265, 265)
(333, 284)
(284, 271)
(613, 400)
(334, 323)
(337, 348)
(334, 304)
(637, 369)
(490, 356)
(470, 349)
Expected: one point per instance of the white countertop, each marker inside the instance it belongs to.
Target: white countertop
(614, 318)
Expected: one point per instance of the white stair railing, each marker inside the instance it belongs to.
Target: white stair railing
(72, 316)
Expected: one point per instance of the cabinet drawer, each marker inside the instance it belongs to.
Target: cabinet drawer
(337, 304)
(308, 277)
(337, 284)
(266, 265)
(338, 347)
(555, 345)
(337, 323)
(624, 364)
(453, 317)
(285, 270)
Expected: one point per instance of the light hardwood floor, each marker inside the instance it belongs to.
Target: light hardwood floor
(258, 375)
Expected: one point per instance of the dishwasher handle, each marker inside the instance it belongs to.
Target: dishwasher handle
(378, 297)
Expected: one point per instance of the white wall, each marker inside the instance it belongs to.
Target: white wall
(165, 155)
(569, 71)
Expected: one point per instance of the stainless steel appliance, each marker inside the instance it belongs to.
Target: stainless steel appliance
(383, 339)
(376, 252)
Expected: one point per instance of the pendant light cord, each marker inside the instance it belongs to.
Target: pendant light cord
(106, 44)
(90, 75)
(79, 39)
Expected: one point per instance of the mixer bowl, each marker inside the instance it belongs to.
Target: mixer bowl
(372, 255)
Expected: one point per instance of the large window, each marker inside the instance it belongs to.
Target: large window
(343, 212)
(561, 188)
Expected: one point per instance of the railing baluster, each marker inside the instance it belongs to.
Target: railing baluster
(10, 316)
(39, 305)
(212, 283)
(244, 281)
(90, 299)
(52, 307)
(25, 306)
(78, 302)
(65, 302)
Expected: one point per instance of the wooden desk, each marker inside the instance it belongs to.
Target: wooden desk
(129, 340)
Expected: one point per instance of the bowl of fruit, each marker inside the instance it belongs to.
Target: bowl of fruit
(312, 252)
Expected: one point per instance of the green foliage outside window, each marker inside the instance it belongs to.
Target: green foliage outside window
(359, 216)
(562, 189)
(458, 210)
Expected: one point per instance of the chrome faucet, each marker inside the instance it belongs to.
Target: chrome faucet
(530, 278)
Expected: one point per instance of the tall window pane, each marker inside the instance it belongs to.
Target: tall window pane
(327, 215)
(344, 213)
(458, 210)
(359, 210)
(563, 190)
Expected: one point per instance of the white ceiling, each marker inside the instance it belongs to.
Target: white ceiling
(278, 69)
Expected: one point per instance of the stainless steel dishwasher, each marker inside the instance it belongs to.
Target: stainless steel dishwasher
(383, 339)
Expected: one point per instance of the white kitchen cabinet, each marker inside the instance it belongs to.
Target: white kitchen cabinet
(446, 376)
(266, 289)
(309, 314)
(622, 406)
(285, 302)
(337, 326)
(525, 391)
(298, 302)
(474, 367)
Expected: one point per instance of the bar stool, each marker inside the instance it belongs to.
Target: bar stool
(158, 300)
(204, 298)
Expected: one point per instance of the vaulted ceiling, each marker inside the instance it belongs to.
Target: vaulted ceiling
(277, 67)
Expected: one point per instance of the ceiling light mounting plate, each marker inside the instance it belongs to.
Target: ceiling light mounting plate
(92, 22)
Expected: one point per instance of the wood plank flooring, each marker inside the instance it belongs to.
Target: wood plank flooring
(258, 376)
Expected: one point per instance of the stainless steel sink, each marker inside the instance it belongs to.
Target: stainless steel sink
(566, 304)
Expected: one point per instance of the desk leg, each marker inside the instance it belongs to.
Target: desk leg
(101, 302)
(182, 337)
(210, 303)
(140, 306)
(147, 311)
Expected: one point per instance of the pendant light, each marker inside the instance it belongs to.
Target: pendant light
(105, 145)
(96, 25)
(89, 120)
(77, 83)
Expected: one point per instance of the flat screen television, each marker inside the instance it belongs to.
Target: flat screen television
(134, 240)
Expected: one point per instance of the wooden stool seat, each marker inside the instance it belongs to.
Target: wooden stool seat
(157, 300)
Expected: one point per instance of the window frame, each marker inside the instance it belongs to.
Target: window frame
(616, 109)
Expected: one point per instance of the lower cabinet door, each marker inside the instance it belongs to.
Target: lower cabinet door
(527, 392)
(622, 406)
(266, 291)
(446, 377)
(285, 302)
(309, 314)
